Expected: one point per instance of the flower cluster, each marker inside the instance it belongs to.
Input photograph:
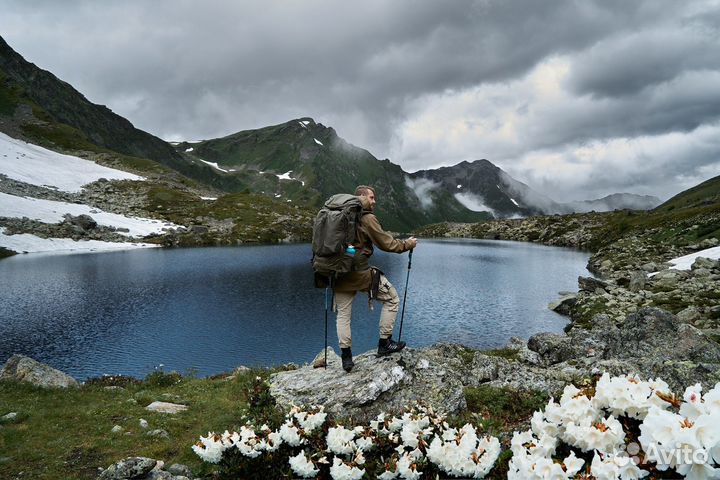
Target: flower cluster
(602, 425)
(403, 447)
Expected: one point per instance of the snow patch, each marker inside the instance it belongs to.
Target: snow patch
(277, 195)
(305, 122)
(39, 166)
(208, 198)
(189, 149)
(49, 211)
(685, 262)
(317, 141)
(473, 202)
(516, 203)
(285, 176)
(215, 165)
(459, 186)
(302, 124)
(32, 244)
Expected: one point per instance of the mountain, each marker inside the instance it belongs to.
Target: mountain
(616, 201)
(50, 101)
(307, 162)
(482, 186)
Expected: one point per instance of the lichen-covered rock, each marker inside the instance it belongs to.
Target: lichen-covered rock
(378, 384)
(129, 468)
(25, 369)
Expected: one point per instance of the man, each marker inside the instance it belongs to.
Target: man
(367, 279)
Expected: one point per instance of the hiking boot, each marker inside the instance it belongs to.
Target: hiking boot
(386, 346)
(347, 361)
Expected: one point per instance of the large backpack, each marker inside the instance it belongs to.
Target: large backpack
(335, 228)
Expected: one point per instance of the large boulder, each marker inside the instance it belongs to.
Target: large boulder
(25, 369)
(378, 384)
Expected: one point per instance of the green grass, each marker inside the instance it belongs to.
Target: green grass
(502, 409)
(506, 353)
(62, 434)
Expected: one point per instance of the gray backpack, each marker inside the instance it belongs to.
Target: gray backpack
(335, 228)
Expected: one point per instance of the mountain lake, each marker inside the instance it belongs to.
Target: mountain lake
(207, 310)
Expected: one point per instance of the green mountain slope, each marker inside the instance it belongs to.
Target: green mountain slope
(316, 163)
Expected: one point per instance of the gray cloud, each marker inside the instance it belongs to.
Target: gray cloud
(188, 70)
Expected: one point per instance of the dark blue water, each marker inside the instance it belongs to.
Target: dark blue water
(212, 309)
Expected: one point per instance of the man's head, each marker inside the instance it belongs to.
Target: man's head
(368, 192)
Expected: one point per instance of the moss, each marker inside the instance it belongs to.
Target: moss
(507, 353)
(503, 409)
(467, 354)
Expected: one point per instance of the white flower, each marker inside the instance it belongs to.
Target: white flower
(290, 434)
(407, 469)
(302, 466)
(693, 406)
(310, 422)
(342, 471)
(364, 443)
(340, 440)
(387, 475)
(573, 464)
(210, 448)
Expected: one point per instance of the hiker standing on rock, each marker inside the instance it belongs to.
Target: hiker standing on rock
(369, 279)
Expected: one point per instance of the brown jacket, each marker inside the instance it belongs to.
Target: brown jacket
(369, 233)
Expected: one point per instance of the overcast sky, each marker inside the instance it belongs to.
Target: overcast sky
(578, 99)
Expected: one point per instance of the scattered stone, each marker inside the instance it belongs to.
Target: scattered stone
(166, 407)
(179, 469)
(158, 433)
(564, 305)
(143, 423)
(637, 281)
(131, 467)
(332, 359)
(10, 417)
(25, 369)
(114, 388)
(589, 284)
(117, 429)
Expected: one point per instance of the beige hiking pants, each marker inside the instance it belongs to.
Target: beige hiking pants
(391, 304)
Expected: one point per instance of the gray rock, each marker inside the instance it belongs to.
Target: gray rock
(179, 469)
(158, 433)
(702, 262)
(688, 315)
(589, 284)
(564, 304)
(84, 222)
(379, 384)
(332, 359)
(143, 423)
(166, 407)
(117, 429)
(131, 467)
(637, 281)
(552, 348)
(10, 417)
(25, 369)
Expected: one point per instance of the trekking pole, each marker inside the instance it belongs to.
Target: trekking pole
(402, 315)
(326, 316)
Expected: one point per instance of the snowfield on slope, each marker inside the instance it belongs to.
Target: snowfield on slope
(39, 166)
(50, 211)
(26, 243)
